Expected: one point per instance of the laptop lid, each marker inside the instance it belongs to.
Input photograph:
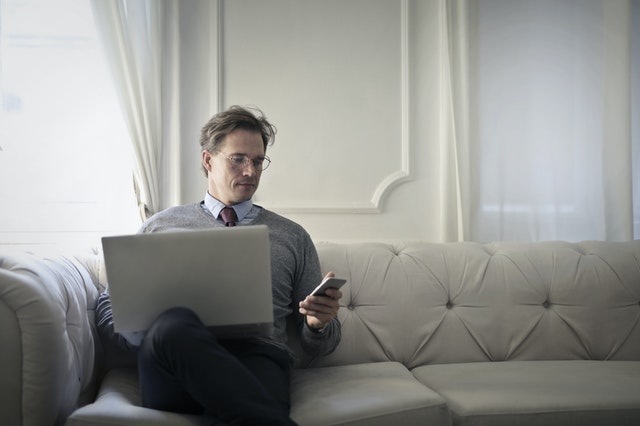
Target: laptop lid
(222, 274)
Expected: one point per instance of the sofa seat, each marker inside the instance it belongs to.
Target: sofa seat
(585, 393)
(118, 403)
(370, 394)
(380, 393)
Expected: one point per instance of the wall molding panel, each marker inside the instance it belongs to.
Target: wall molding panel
(313, 94)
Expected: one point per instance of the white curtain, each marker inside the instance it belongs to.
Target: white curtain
(635, 112)
(454, 142)
(132, 34)
(540, 113)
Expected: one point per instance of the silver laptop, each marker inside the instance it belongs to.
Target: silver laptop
(222, 274)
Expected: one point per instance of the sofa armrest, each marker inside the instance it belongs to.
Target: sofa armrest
(47, 337)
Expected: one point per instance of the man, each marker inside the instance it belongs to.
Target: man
(185, 368)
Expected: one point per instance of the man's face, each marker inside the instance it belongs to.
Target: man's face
(234, 184)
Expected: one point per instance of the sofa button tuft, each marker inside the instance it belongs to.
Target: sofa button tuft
(546, 304)
(449, 305)
(351, 306)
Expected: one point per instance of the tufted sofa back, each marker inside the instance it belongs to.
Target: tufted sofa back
(420, 303)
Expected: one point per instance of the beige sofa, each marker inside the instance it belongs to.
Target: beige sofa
(433, 334)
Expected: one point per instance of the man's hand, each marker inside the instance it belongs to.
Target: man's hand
(320, 310)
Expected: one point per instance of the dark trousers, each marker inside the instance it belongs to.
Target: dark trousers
(184, 368)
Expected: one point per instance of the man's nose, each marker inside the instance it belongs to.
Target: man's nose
(249, 169)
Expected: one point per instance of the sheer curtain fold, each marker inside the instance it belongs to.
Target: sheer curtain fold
(455, 103)
(539, 119)
(616, 137)
(635, 113)
(132, 32)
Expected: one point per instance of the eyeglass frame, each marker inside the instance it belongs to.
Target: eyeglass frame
(246, 160)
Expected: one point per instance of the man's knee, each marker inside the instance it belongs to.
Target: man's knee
(172, 328)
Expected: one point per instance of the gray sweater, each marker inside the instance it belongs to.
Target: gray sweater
(295, 272)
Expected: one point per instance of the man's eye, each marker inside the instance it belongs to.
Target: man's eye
(237, 160)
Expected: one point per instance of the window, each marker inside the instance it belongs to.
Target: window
(65, 159)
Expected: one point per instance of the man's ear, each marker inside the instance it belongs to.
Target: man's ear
(207, 160)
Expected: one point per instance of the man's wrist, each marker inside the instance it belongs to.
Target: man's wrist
(317, 330)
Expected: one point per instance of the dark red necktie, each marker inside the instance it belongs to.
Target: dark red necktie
(228, 214)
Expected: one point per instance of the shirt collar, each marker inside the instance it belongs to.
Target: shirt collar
(215, 206)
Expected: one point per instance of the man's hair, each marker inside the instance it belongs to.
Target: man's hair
(236, 117)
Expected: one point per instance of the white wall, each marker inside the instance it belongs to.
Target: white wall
(353, 88)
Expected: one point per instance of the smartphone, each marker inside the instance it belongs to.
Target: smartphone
(331, 282)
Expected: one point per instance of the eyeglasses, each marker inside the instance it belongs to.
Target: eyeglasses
(241, 161)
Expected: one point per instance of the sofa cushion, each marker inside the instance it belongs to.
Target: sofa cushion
(538, 392)
(118, 403)
(383, 393)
